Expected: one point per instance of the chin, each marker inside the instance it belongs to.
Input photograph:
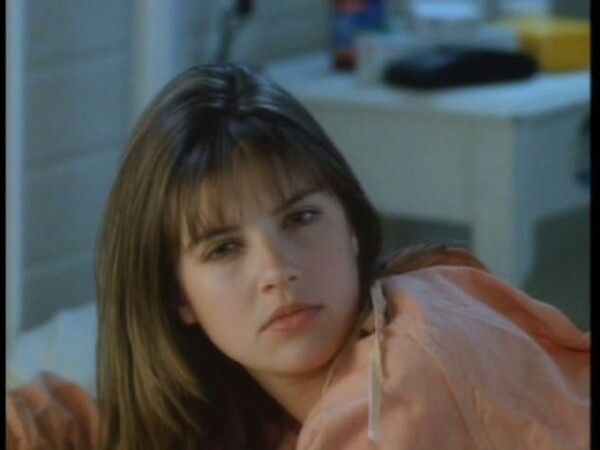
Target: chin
(316, 358)
(295, 369)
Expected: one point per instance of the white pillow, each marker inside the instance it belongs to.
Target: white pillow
(65, 345)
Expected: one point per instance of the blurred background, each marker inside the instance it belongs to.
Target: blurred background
(80, 72)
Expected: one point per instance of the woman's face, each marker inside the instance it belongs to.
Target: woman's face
(298, 253)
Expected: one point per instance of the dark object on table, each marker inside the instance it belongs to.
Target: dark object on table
(458, 66)
(231, 23)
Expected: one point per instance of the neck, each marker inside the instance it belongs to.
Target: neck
(298, 394)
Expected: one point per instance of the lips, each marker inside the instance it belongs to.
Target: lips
(288, 310)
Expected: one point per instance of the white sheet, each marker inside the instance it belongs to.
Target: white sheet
(65, 345)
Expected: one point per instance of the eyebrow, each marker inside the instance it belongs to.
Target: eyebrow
(216, 231)
(293, 199)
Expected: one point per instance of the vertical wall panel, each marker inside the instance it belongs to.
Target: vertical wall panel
(75, 107)
(65, 206)
(66, 30)
(15, 75)
(56, 285)
(78, 97)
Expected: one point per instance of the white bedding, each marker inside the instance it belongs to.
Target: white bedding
(65, 345)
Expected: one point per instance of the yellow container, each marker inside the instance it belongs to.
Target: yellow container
(557, 43)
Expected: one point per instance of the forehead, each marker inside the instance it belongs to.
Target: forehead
(220, 205)
(223, 198)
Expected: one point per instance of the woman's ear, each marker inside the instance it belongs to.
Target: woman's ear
(184, 309)
(186, 314)
(354, 243)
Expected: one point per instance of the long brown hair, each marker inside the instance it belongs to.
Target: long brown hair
(162, 384)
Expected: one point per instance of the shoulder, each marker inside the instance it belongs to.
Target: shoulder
(447, 297)
(51, 412)
(504, 355)
(466, 354)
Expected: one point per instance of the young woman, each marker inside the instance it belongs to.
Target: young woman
(244, 304)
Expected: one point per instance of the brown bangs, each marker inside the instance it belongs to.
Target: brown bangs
(216, 181)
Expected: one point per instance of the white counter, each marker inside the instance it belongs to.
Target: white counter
(495, 157)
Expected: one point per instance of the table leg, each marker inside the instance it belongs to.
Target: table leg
(502, 204)
(505, 243)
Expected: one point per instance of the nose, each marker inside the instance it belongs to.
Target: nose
(275, 269)
(279, 278)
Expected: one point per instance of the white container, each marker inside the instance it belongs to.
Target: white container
(512, 8)
(493, 37)
(427, 15)
(376, 49)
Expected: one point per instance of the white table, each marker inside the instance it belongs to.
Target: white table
(496, 158)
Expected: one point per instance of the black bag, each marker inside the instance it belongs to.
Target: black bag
(458, 66)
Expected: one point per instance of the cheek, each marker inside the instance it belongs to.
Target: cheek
(334, 264)
(218, 305)
(226, 331)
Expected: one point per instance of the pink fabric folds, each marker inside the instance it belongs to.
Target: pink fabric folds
(470, 363)
(51, 413)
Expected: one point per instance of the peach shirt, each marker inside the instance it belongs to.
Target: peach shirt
(469, 362)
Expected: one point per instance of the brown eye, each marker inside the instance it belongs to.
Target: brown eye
(301, 218)
(222, 250)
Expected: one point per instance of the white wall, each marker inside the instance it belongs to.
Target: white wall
(15, 102)
(76, 82)
(277, 28)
